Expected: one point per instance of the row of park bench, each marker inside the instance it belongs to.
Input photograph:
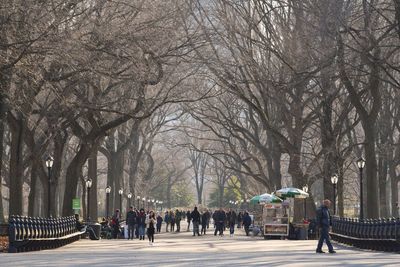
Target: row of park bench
(34, 233)
(375, 234)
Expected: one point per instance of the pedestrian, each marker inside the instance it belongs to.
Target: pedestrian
(167, 220)
(195, 215)
(208, 215)
(188, 218)
(115, 224)
(220, 218)
(159, 222)
(131, 221)
(231, 221)
(239, 220)
(204, 220)
(246, 222)
(324, 222)
(172, 221)
(150, 227)
(178, 218)
(141, 220)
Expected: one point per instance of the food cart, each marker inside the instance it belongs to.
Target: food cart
(276, 218)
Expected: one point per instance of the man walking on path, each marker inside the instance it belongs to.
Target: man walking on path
(131, 221)
(231, 221)
(219, 218)
(246, 222)
(178, 218)
(324, 222)
(188, 219)
(195, 215)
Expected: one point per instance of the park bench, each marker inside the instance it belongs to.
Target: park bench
(34, 233)
(374, 234)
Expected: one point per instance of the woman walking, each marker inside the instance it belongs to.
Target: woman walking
(150, 228)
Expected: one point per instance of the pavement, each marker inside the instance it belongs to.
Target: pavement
(183, 249)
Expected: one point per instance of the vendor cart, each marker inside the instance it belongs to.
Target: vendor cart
(276, 219)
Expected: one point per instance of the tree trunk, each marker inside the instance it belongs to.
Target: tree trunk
(169, 188)
(2, 122)
(16, 166)
(372, 185)
(32, 203)
(74, 172)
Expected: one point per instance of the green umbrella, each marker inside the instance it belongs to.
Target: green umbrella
(269, 198)
(291, 192)
(255, 199)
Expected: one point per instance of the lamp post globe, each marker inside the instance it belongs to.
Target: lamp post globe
(88, 186)
(334, 181)
(361, 165)
(120, 192)
(138, 199)
(108, 191)
(305, 189)
(129, 198)
(49, 165)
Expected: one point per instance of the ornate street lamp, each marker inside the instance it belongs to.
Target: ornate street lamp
(88, 186)
(129, 198)
(148, 204)
(49, 165)
(144, 203)
(305, 189)
(361, 165)
(108, 191)
(138, 199)
(334, 180)
(120, 192)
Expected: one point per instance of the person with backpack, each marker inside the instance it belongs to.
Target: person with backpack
(324, 222)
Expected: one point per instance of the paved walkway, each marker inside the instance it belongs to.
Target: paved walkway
(182, 249)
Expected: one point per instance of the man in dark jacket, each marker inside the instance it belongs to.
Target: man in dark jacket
(141, 221)
(131, 221)
(195, 215)
(220, 218)
(188, 219)
(246, 222)
(231, 221)
(324, 222)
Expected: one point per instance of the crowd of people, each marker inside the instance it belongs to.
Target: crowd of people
(140, 223)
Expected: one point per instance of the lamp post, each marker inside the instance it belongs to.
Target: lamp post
(120, 192)
(144, 203)
(361, 165)
(161, 203)
(148, 204)
(49, 165)
(334, 180)
(138, 199)
(88, 186)
(108, 190)
(129, 198)
(305, 189)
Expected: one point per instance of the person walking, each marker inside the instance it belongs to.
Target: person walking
(246, 222)
(220, 218)
(131, 221)
(189, 219)
(150, 228)
(324, 222)
(167, 220)
(239, 220)
(195, 215)
(204, 220)
(231, 221)
(159, 222)
(115, 224)
(172, 221)
(178, 218)
(141, 221)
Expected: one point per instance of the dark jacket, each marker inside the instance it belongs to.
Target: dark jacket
(323, 217)
(204, 219)
(232, 217)
(159, 220)
(246, 220)
(131, 217)
(195, 215)
(220, 216)
(141, 219)
(188, 216)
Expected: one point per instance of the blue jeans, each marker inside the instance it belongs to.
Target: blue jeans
(141, 230)
(324, 235)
